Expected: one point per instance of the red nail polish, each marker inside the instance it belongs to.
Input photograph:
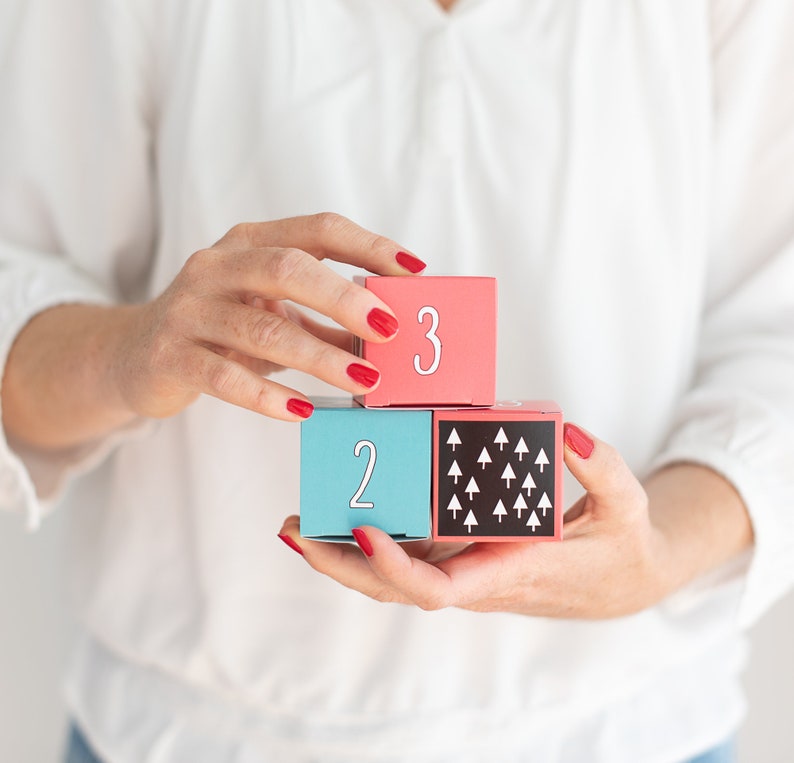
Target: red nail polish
(364, 375)
(382, 322)
(291, 543)
(577, 441)
(363, 541)
(300, 407)
(409, 262)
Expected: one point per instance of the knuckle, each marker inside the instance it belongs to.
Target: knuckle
(261, 398)
(198, 263)
(618, 471)
(328, 223)
(625, 484)
(350, 296)
(431, 602)
(199, 257)
(384, 595)
(286, 265)
(223, 379)
(612, 460)
(380, 245)
(238, 233)
(268, 330)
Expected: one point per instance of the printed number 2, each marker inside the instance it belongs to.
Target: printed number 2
(434, 340)
(355, 502)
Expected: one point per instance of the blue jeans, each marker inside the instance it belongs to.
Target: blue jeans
(725, 753)
(78, 751)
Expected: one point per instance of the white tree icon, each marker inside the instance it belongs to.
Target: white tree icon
(470, 520)
(533, 521)
(454, 506)
(500, 511)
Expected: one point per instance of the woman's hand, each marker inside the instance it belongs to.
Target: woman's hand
(615, 558)
(229, 318)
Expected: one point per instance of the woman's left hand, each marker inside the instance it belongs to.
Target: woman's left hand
(613, 561)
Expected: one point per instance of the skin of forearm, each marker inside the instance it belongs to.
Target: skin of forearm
(59, 388)
(702, 518)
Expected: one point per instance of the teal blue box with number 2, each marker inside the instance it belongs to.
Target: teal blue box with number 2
(363, 466)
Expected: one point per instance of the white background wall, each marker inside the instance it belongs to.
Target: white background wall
(35, 631)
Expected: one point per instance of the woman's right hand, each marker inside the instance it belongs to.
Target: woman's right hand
(229, 319)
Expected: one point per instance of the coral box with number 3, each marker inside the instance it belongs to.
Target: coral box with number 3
(445, 351)
(363, 466)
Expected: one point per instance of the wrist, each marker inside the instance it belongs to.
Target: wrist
(699, 520)
(59, 389)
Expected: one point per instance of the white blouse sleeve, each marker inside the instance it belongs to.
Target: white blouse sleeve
(76, 209)
(738, 415)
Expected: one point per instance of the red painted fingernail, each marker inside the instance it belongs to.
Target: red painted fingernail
(577, 441)
(364, 375)
(409, 262)
(291, 543)
(363, 541)
(382, 322)
(300, 407)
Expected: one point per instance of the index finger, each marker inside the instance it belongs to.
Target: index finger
(332, 236)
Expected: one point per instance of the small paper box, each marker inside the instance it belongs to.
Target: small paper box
(497, 473)
(364, 467)
(445, 350)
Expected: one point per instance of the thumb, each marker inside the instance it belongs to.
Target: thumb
(602, 472)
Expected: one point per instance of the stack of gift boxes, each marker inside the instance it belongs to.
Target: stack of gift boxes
(430, 452)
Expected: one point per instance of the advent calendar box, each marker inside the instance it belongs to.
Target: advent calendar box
(364, 467)
(487, 474)
(497, 473)
(445, 350)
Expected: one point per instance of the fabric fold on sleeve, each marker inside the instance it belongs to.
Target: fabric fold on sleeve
(31, 481)
(737, 417)
(743, 441)
(77, 192)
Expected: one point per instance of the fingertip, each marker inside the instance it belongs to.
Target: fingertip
(363, 541)
(578, 441)
(372, 540)
(366, 376)
(291, 543)
(410, 262)
(580, 454)
(303, 409)
(383, 323)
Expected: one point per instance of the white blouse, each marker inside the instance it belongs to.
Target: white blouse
(625, 169)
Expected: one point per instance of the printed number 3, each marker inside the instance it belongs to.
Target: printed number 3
(355, 502)
(434, 340)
